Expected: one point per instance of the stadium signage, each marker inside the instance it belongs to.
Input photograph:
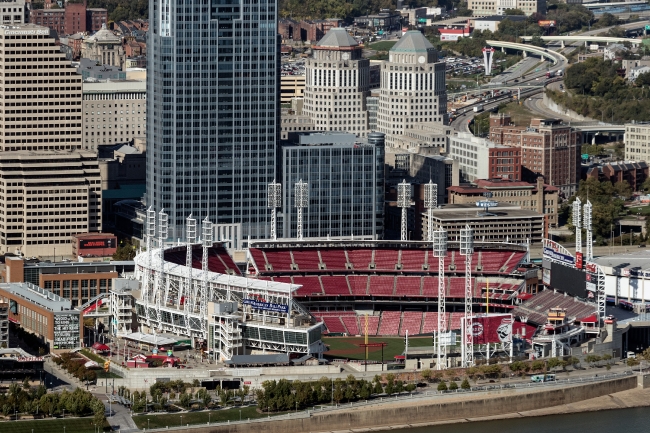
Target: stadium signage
(591, 267)
(569, 260)
(578, 260)
(267, 306)
(487, 203)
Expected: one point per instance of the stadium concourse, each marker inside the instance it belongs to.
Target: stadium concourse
(392, 283)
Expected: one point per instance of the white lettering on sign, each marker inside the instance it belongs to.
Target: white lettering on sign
(27, 32)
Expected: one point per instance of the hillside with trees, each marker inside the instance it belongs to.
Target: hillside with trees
(596, 90)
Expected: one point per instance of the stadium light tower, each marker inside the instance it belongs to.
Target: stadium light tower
(301, 197)
(404, 192)
(467, 249)
(430, 203)
(586, 222)
(274, 199)
(439, 238)
(577, 224)
(151, 233)
(162, 289)
(206, 239)
(190, 239)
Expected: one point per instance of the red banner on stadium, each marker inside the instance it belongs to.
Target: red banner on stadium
(492, 329)
(578, 260)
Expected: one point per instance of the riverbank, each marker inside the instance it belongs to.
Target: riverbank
(422, 412)
(631, 398)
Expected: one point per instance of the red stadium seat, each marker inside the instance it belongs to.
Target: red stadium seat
(408, 286)
(335, 285)
(307, 260)
(360, 259)
(411, 321)
(389, 324)
(413, 260)
(382, 286)
(358, 285)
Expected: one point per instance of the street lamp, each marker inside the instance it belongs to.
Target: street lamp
(181, 420)
(239, 414)
(148, 424)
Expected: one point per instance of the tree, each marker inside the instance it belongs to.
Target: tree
(378, 389)
(426, 374)
(573, 361)
(465, 384)
(442, 386)
(410, 387)
(632, 362)
(453, 386)
(538, 365)
(125, 251)
(623, 189)
(99, 412)
(606, 357)
(185, 400)
(537, 41)
(553, 363)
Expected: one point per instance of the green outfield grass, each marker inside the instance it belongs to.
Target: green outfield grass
(382, 46)
(72, 425)
(174, 420)
(348, 347)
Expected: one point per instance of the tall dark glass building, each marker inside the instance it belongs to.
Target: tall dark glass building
(212, 115)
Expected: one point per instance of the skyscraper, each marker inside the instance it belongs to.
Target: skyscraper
(212, 115)
(337, 84)
(413, 91)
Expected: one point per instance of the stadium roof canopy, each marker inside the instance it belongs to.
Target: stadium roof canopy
(149, 338)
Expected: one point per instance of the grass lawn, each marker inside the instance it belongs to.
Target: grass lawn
(98, 359)
(643, 210)
(348, 347)
(382, 46)
(72, 425)
(164, 420)
(519, 114)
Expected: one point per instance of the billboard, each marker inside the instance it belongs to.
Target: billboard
(569, 280)
(546, 23)
(556, 255)
(492, 329)
(97, 243)
(546, 276)
(578, 260)
(267, 306)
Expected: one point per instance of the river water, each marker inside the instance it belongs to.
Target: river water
(635, 420)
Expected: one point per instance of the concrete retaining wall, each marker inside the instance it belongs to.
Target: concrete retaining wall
(435, 409)
(553, 106)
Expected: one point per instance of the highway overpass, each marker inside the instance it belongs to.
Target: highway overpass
(557, 58)
(585, 39)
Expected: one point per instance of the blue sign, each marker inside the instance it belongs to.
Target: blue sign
(550, 253)
(268, 306)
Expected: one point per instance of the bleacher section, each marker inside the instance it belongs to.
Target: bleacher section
(360, 260)
(535, 309)
(390, 322)
(411, 322)
(408, 286)
(218, 259)
(382, 286)
(358, 285)
(310, 286)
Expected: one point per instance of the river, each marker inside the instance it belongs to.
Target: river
(635, 420)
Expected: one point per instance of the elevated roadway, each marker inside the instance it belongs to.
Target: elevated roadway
(585, 39)
(558, 59)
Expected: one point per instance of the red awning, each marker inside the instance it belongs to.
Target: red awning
(101, 347)
(400, 357)
(589, 319)
(14, 321)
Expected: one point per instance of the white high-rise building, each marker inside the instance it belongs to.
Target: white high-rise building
(337, 85)
(412, 88)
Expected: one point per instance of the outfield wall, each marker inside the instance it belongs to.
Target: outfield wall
(432, 410)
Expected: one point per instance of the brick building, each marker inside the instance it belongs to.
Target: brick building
(54, 19)
(75, 18)
(96, 18)
(537, 196)
(634, 173)
(288, 29)
(548, 148)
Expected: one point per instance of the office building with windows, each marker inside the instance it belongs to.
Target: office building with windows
(345, 177)
(412, 88)
(212, 117)
(337, 84)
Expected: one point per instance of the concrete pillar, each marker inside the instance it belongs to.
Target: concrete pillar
(525, 54)
(503, 49)
(562, 44)
(593, 140)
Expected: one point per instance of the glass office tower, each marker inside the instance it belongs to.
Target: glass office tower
(212, 114)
